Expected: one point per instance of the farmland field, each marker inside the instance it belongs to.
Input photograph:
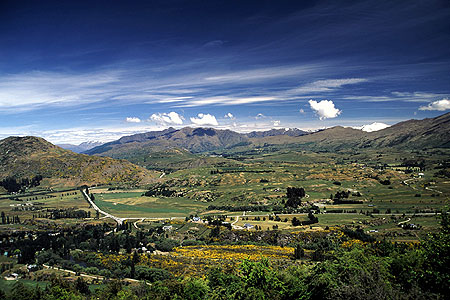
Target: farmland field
(235, 189)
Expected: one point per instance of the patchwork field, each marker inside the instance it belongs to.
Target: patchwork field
(262, 182)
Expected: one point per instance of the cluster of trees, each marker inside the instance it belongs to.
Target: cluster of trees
(159, 191)
(217, 171)
(13, 185)
(341, 197)
(312, 219)
(68, 213)
(294, 197)
(7, 220)
(381, 270)
(242, 207)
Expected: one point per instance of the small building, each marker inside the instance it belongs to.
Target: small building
(248, 226)
(167, 228)
(32, 268)
(196, 219)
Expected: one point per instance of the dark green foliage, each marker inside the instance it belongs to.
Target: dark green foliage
(351, 275)
(166, 245)
(152, 274)
(294, 196)
(13, 185)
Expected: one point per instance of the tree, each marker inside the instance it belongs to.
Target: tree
(299, 252)
(82, 286)
(294, 196)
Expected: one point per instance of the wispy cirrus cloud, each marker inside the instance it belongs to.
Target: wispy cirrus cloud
(34, 90)
(260, 74)
(398, 96)
(327, 85)
(224, 100)
(131, 84)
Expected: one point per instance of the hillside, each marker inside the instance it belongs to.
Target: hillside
(413, 134)
(29, 156)
(192, 139)
(172, 149)
(277, 132)
(407, 135)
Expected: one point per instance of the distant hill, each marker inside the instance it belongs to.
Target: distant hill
(331, 139)
(29, 156)
(171, 148)
(81, 147)
(193, 139)
(276, 132)
(412, 134)
(180, 148)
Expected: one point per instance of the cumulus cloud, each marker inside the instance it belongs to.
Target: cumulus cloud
(324, 109)
(276, 123)
(439, 105)
(132, 120)
(375, 126)
(204, 119)
(171, 118)
(230, 116)
(260, 116)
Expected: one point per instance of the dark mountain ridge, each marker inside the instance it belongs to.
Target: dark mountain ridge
(163, 148)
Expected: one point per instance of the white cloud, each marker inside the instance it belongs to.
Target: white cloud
(222, 100)
(28, 91)
(171, 118)
(440, 105)
(77, 135)
(398, 96)
(276, 123)
(260, 116)
(263, 73)
(327, 85)
(324, 109)
(375, 126)
(132, 120)
(204, 119)
(229, 116)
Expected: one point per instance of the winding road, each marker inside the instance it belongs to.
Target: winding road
(117, 219)
(99, 277)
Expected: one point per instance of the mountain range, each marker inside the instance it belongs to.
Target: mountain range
(412, 134)
(128, 159)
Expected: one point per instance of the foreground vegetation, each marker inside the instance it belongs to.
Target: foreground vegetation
(344, 266)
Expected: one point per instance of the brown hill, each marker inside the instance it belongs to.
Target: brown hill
(407, 135)
(22, 157)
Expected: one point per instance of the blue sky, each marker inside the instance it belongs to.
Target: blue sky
(96, 70)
